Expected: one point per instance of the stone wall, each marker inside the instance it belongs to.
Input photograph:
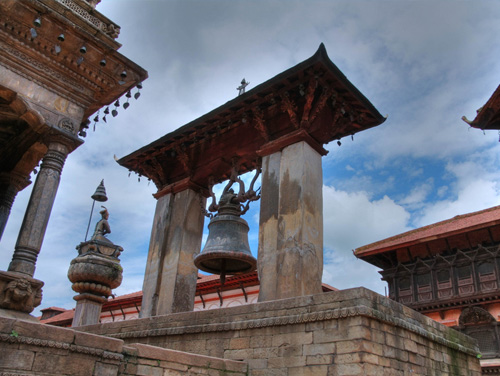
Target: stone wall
(28, 348)
(350, 332)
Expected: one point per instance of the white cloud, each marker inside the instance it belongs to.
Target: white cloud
(352, 220)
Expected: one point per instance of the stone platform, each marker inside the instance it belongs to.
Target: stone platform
(28, 349)
(349, 332)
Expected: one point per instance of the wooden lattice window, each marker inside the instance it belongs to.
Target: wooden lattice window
(424, 289)
(444, 284)
(487, 276)
(465, 280)
(405, 290)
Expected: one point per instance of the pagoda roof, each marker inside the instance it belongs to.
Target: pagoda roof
(312, 101)
(488, 116)
(461, 232)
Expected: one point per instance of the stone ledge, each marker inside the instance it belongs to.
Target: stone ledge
(411, 325)
(156, 353)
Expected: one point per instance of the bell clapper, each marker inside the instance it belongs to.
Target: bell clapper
(223, 272)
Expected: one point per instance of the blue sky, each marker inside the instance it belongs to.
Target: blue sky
(423, 63)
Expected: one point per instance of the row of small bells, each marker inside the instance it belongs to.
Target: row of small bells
(227, 250)
(114, 112)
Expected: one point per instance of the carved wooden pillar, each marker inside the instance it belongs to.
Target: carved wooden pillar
(10, 184)
(290, 259)
(170, 278)
(37, 214)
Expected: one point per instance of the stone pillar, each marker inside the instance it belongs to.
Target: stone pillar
(10, 184)
(37, 214)
(88, 309)
(170, 279)
(290, 259)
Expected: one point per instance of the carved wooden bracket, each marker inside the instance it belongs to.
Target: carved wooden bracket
(291, 108)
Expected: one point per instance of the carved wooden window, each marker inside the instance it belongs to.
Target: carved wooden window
(444, 284)
(424, 289)
(487, 276)
(481, 325)
(486, 339)
(405, 290)
(465, 280)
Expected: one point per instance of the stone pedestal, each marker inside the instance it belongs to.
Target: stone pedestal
(290, 258)
(19, 294)
(38, 212)
(88, 309)
(170, 278)
(94, 273)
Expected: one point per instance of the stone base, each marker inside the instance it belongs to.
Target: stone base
(30, 349)
(88, 309)
(9, 314)
(350, 332)
(19, 292)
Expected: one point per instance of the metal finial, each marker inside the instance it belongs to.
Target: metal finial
(241, 88)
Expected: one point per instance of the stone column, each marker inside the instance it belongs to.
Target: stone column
(10, 184)
(37, 214)
(88, 309)
(290, 259)
(170, 279)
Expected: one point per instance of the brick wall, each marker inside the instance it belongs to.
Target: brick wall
(350, 332)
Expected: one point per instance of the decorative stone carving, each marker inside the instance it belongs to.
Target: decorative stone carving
(19, 293)
(67, 125)
(475, 315)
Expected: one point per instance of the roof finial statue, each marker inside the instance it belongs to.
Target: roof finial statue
(241, 88)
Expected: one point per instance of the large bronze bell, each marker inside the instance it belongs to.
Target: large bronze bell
(226, 250)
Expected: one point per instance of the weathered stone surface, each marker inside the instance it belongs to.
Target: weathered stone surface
(98, 342)
(284, 336)
(170, 279)
(39, 208)
(290, 254)
(19, 294)
(38, 349)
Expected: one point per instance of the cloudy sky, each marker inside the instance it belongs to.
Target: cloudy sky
(423, 63)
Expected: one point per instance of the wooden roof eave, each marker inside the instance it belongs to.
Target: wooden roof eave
(320, 57)
(488, 117)
(359, 253)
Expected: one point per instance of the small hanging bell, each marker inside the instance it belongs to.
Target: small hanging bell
(114, 113)
(117, 103)
(96, 119)
(104, 119)
(129, 94)
(100, 193)
(106, 111)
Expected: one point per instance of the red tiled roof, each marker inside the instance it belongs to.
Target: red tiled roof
(456, 225)
(127, 296)
(67, 315)
(54, 309)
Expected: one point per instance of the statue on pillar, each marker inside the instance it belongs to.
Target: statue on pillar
(95, 272)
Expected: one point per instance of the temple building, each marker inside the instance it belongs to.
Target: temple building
(450, 272)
